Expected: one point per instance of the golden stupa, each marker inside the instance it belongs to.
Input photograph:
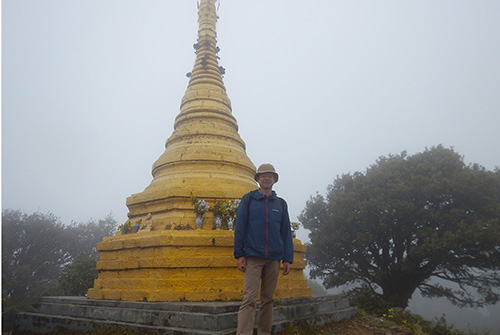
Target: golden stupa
(170, 258)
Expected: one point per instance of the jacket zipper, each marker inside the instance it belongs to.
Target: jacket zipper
(267, 226)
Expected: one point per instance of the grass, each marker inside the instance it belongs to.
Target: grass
(393, 322)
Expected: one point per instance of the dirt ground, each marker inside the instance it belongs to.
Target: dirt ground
(359, 325)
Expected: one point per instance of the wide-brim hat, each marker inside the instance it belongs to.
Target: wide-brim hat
(266, 168)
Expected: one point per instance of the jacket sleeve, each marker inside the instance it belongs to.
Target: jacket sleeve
(241, 227)
(286, 233)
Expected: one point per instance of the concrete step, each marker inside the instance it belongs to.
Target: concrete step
(179, 318)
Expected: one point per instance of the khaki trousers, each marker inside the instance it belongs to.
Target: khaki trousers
(264, 272)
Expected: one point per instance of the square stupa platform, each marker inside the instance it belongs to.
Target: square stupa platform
(171, 318)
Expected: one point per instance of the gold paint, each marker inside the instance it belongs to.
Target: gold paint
(180, 265)
(204, 156)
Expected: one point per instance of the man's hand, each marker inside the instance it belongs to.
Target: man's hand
(242, 264)
(286, 268)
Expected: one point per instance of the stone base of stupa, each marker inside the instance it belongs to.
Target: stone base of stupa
(60, 314)
(181, 265)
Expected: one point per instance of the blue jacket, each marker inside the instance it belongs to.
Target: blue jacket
(263, 228)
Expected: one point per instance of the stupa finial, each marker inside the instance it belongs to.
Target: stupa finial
(206, 64)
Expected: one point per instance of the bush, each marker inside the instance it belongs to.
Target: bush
(367, 299)
(78, 276)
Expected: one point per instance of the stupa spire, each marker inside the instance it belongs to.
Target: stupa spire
(205, 80)
(205, 155)
(207, 65)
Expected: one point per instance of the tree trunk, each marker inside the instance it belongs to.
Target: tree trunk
(399, 293)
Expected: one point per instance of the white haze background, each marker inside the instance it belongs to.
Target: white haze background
(90, 90)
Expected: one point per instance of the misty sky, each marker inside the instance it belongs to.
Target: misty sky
(319, 88)
(90, 90)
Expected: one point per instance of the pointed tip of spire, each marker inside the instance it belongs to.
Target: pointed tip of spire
(206, 49)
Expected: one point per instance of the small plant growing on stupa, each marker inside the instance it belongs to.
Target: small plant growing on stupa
(218, 208)
(200, 206)
(126, 227)
(294, 226)
(230, 212)
(230, 209)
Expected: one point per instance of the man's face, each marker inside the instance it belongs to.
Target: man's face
(266, 180)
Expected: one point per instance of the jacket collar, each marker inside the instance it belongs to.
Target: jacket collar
(258, 194)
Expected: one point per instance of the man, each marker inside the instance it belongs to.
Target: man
(262, 239)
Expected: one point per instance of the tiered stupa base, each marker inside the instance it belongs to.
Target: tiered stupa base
(181, 265)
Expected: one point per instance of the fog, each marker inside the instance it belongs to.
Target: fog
(475, 319)
(319, 88)
(90, 90)
(479, 320)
